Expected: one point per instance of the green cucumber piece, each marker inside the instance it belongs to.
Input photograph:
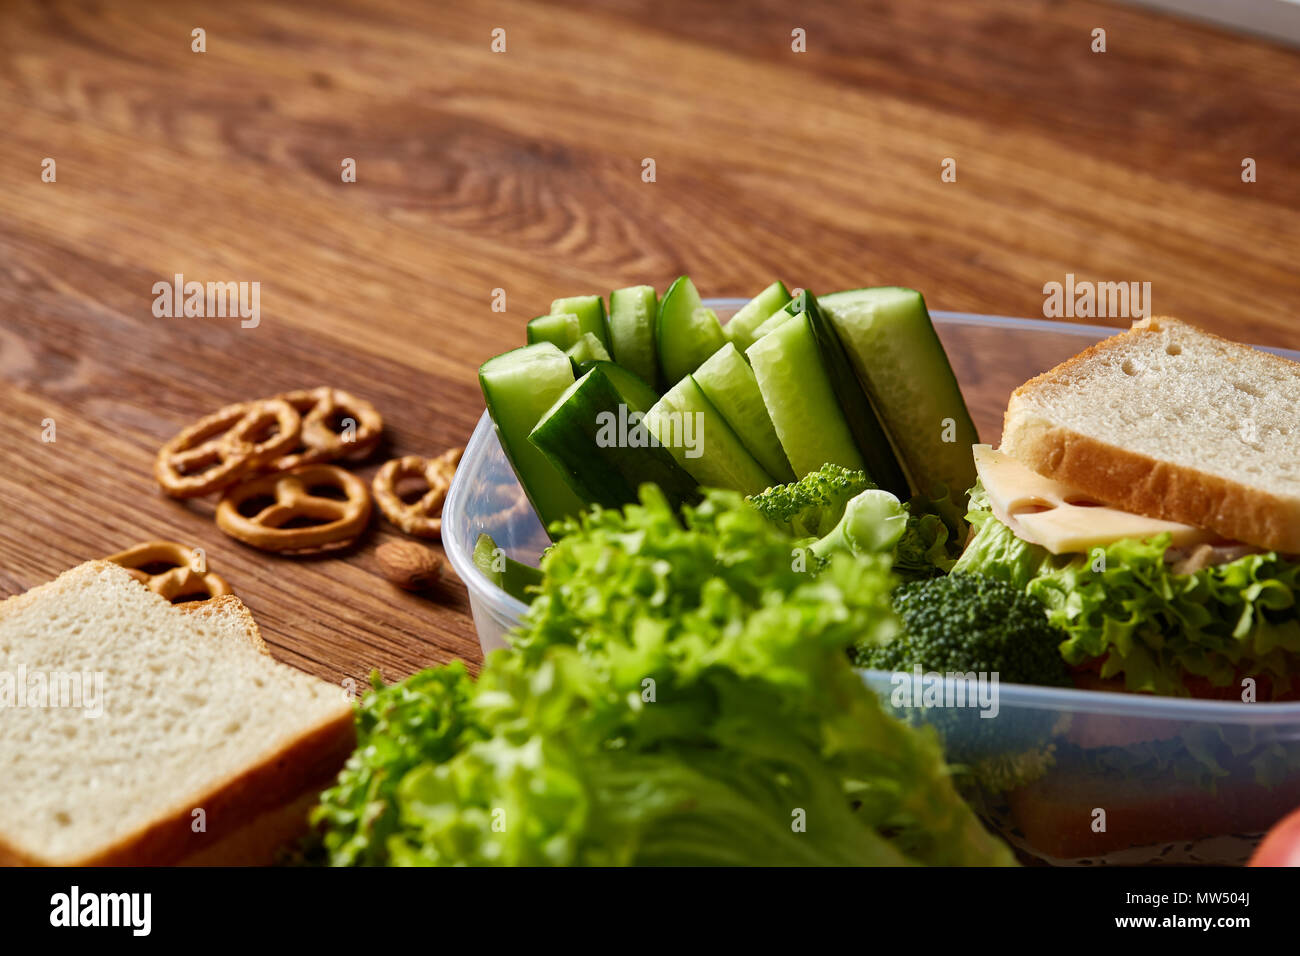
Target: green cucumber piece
(897, 355)
(595, 437)
(686, 423)
(687, 333)
(632, 387)
(742, 326)
(505, 572)
(560, 329)
(729, 384)
(519, 387)
(800, 399)
(588, 348)
(590, 310)
(868, 433)
(633, 313)
(773, 321)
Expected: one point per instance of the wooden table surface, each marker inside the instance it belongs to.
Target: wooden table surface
(522, 171)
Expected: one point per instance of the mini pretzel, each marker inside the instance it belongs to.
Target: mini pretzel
(180, 580)
(319, 442)
(218, 450)
(421, 518)
(340, 521)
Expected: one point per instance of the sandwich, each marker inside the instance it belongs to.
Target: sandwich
(136, 732)
(1147, 493)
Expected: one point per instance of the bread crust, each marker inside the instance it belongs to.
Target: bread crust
(275, 781)
(259, 841)
(1137, 482)
(265, 787)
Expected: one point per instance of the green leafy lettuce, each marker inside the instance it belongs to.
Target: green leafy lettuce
(1126, 607)
(679, 693)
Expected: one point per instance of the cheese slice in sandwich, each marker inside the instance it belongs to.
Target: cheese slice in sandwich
(1173, 423)
(1060, 518)
(162, 732)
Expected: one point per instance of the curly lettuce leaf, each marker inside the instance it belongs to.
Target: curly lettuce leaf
(679, 693)
(424, 719)
(932, 542)
(1127, 608)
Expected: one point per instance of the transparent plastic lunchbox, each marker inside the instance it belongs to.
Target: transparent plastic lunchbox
(1066, 776)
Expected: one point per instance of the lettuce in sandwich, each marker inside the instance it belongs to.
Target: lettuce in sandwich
(1127, 612)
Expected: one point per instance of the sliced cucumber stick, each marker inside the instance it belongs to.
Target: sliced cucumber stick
(588, 348)
(740, 330)
(560, 329)
(687, 333)
(799, 398)
(868, 433)
(773, 321)
(519, 387)
(729, 384)
(595, 437)
(590, 310)
(687, 424)
(633, 313)
(505, 572)
(897, 354)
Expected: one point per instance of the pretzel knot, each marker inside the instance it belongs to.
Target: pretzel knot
(218, 450)
(422, 518)
(318, 441)
(295, 496)
(167, 568)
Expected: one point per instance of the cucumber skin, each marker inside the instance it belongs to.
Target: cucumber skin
(864, 423)
(686, 332)
(800, 399)
(901, 339)
(724, 462)
(513, 418)
(608, 475)
(634, 389)
(729, 384)
(633, 315)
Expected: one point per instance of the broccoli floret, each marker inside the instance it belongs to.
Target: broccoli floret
(813, 505)
(969, 622)
(815, 509)
(872, 523)
(963, 623)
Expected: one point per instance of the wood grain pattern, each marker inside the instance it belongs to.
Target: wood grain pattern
(521, 171)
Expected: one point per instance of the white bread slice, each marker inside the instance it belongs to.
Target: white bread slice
(258, 841)
(230, 616)
(1171, 422)
(196, 715)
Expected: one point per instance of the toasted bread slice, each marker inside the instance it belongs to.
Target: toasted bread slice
(196, 716)
(1171, 422)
